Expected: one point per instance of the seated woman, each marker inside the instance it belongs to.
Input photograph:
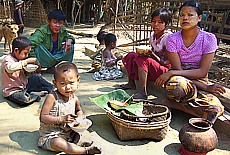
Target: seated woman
(191, 52)
(148, 68)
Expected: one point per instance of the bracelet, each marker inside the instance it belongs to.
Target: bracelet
(86, 150)
(58, 120)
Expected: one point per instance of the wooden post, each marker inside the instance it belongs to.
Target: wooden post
(116, 14)
(4, 6)
(58, 4)
(72, 13)
(9, 12)
(80, 4)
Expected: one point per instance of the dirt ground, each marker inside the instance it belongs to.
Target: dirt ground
(19, 126)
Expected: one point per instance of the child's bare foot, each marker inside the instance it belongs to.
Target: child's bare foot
(93, 150)
(81, 141)
(85, 144)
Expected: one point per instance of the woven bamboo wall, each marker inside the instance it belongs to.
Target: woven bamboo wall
(34, 13)
(135, 22)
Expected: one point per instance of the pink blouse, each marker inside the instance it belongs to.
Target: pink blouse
(159, 44)
(190, 57)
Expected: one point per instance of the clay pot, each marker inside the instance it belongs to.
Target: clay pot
(198, 136)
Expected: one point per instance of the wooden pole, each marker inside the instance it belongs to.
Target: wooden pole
(58, 3)
(4, 6)
(72, 13)
(116, 14)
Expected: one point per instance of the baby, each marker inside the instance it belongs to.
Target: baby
(60, 108)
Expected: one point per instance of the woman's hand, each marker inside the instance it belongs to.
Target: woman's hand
(215, 89)
(163, 78)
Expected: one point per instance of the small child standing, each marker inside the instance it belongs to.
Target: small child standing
(60, 108)
(16, 86)
(109, 69)
(18, 16)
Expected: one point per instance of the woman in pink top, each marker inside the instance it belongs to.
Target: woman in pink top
(190, 52)
(148, 68)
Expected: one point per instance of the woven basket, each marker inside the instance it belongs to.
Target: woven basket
(128, 130)
(89, 51)
(151, 113)
(143, 50)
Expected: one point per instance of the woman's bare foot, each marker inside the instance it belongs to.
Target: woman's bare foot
(93, 150)
(140, 95)
(126, 86)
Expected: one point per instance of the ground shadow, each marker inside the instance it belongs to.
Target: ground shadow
(223, 141)
(172, 149)
(103, 127)
(28, 142)
(179, 119)
(106, 89)
(12, 104)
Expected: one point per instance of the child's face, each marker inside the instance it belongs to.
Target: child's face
(67, 82)
(23, 54)
(189, 17)
(113, 45)
(55, 25)
(158, 25)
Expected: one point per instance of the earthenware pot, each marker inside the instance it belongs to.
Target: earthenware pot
(198, 136)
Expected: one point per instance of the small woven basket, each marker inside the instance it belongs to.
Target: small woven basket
(151, 113)
(129, 130)
(89, 51)
(143, 50)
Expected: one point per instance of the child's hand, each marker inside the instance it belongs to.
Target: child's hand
(120, 63)
(38, 70)
(67, 118)
(30, 60)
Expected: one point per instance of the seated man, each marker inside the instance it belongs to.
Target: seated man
(51, 43)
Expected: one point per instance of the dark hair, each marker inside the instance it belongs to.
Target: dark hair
(21, 43)
(194, 4)
(101, 36)
(64, 66)
(56, 14)
(164, 14)
(109, 38)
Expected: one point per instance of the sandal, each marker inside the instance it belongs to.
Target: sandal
(123, 87)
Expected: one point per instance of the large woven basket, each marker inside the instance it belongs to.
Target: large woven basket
(151, 113)
(129, 130)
